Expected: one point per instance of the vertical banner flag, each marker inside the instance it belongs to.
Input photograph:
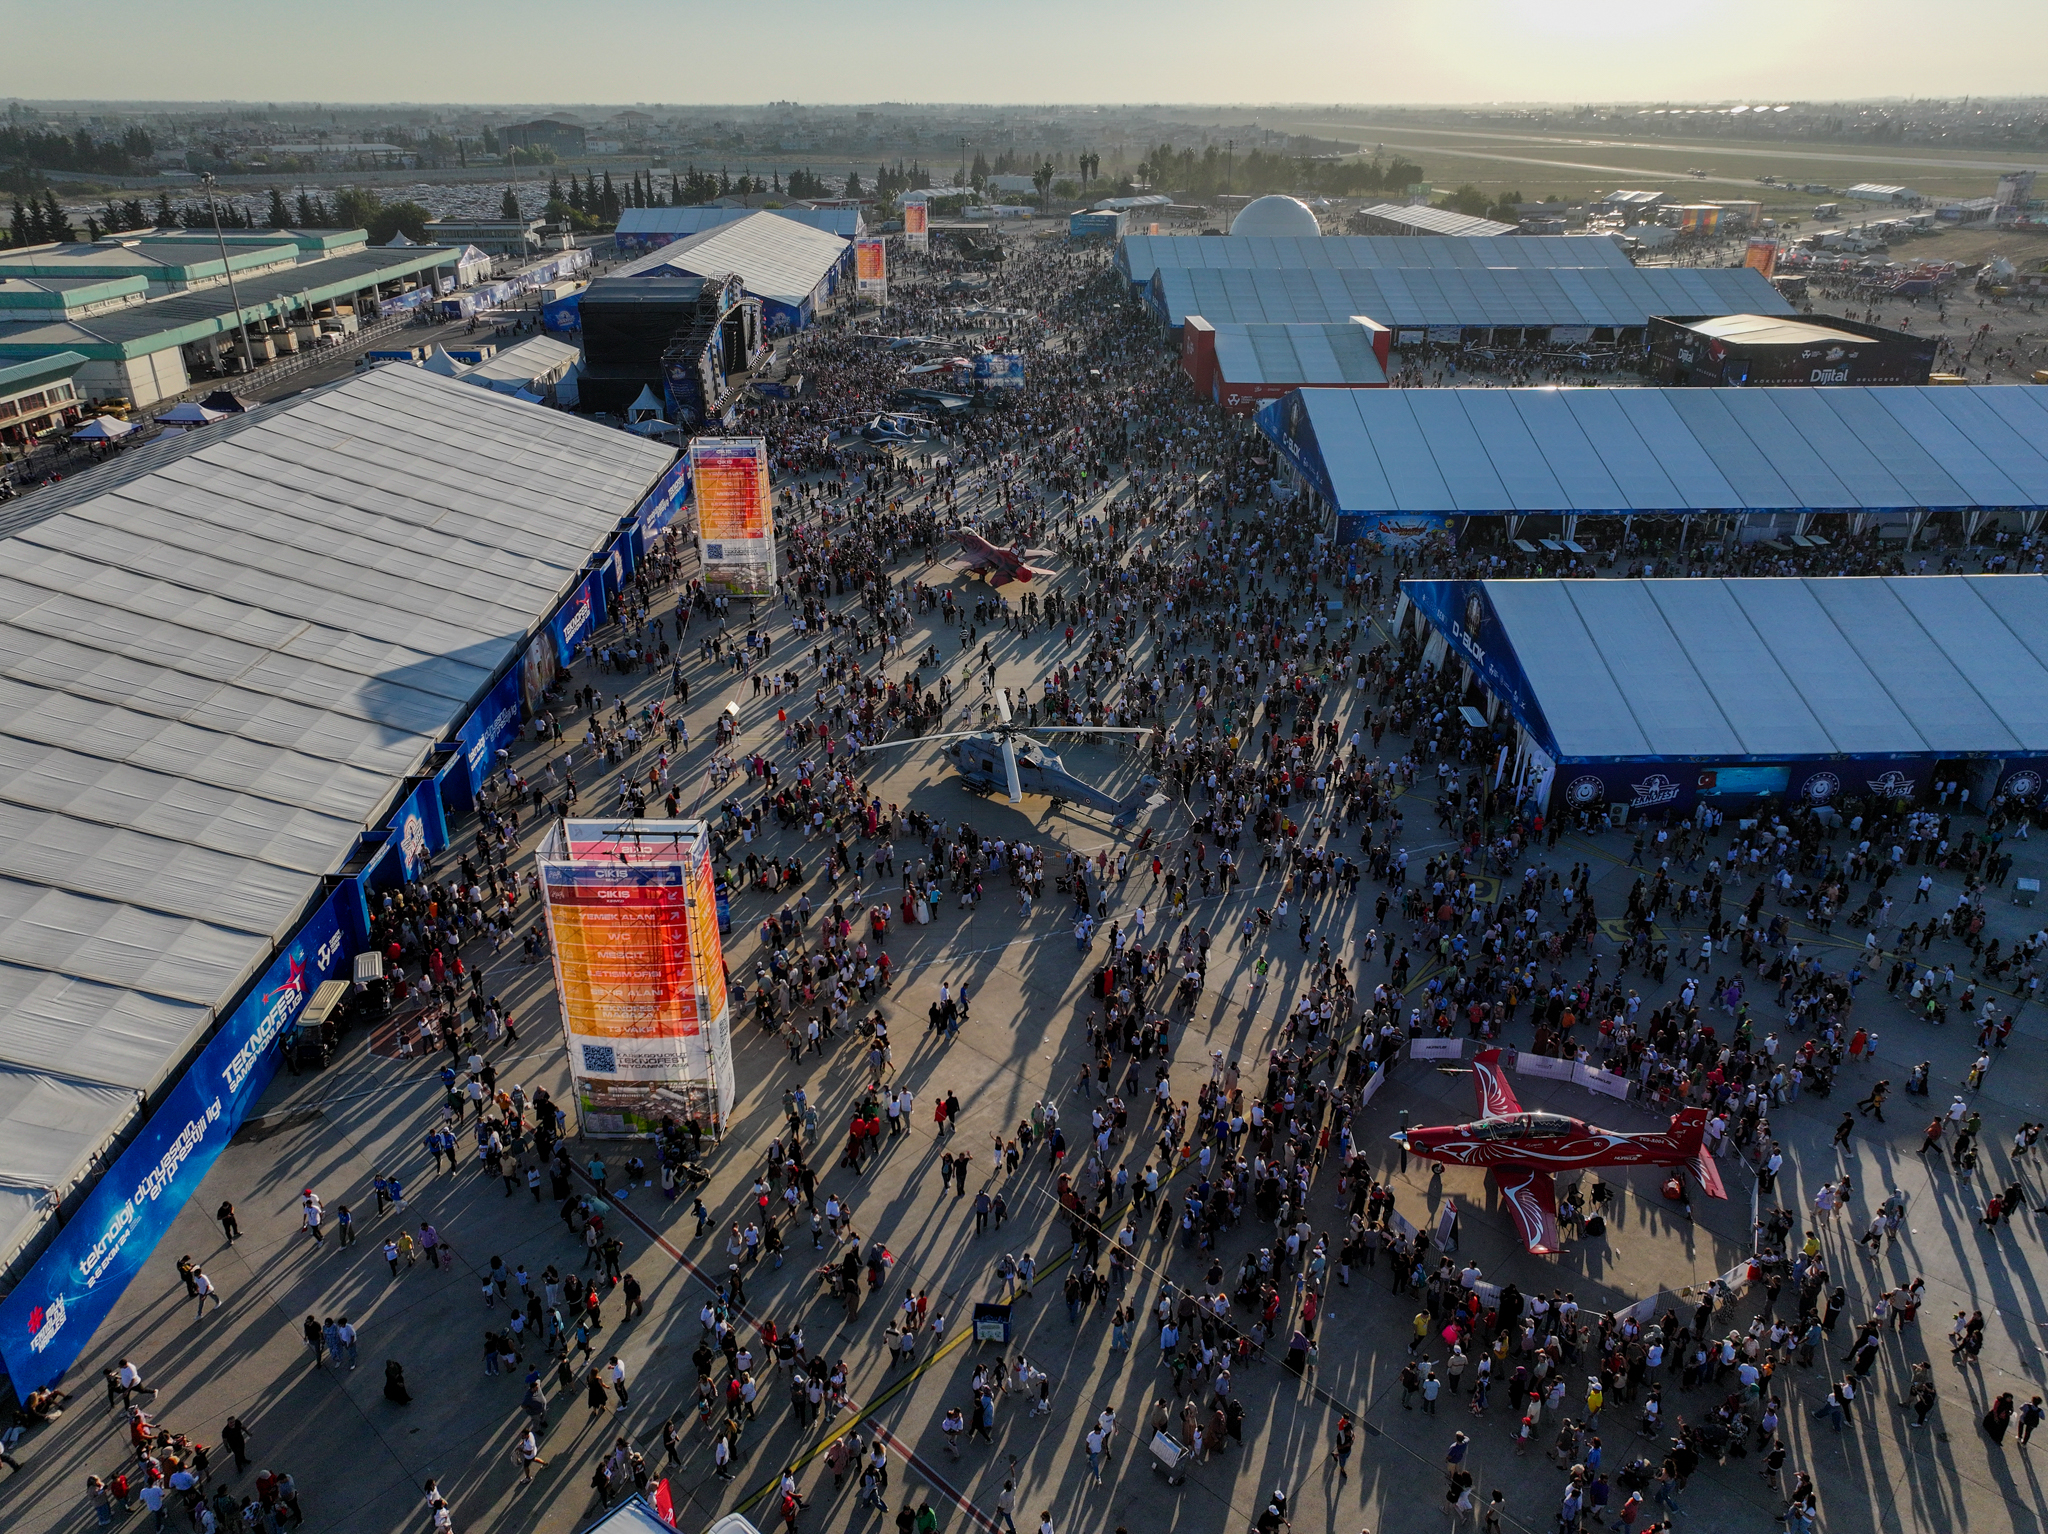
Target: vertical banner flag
(735, 514)
(917, 226)
(871, 269)
(1762, 257)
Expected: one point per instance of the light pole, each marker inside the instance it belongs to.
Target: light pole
(213, 206)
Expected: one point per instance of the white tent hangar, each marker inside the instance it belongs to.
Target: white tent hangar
(219, 663)
(792, 268)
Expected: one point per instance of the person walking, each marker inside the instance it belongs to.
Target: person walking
(527, 1452)
(204, 1288)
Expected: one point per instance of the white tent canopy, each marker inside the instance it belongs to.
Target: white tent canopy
(190, 413)
(103, 428)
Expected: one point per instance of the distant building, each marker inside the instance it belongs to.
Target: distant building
(1893, 196)
(1394, 218)
(1632, 206)
(1733, 350)
(38, 397)
(545, 133)
(517, 238)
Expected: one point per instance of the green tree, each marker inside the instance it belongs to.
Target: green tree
(509, 208)
(554, 187)
(1042, 179)
(278, 216)
(852, 184)
(20, 230)
(356, 207)
(395, 218)
(164, 216)
(56, 226)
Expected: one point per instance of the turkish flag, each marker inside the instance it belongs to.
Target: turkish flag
(664, 1504)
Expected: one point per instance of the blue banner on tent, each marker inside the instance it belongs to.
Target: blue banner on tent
(418, 831)
(51, 1315)
(666, 498)
(492, 728)
(578, 618)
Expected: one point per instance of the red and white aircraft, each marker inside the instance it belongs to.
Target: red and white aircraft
(1524, 1150)
(992, 562)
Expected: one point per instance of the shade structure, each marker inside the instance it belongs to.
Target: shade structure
(190, 413)
(103, 428)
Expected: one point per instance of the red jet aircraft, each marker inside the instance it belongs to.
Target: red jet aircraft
(1523, 1150)
(992, 562)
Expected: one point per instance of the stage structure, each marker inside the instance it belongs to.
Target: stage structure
(632, 915)
(705, 364)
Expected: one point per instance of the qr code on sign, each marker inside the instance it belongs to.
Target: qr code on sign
(600, 1059)
(714, 551)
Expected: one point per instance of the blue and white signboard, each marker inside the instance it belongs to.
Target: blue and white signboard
(51, 1315)
(999, 370)
(494, 726)
(578, 618)
(666, 498)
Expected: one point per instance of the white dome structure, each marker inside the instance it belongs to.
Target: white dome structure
(1284, 217)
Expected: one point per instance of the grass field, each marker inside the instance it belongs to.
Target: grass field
(1575, 165)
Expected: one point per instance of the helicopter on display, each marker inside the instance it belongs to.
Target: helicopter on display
(1524, 1150)
(898, 426)
(1005, 759)
(994, 563)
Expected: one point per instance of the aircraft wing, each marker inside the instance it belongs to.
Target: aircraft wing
(1532, 1195)
(1490, 1080)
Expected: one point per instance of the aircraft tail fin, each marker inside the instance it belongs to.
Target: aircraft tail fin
(1685, 1144)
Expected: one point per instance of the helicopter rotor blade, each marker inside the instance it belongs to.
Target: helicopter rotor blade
(1090, 729)
(918, 740)
(1010, 767)
(1003, 704)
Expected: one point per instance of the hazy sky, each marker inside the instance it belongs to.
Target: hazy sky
(1023, 50)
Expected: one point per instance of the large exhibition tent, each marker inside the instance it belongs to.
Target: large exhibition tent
(1661, 694)
(1138, 256)
(1444, 303)
(1430, 454)
(222, 659)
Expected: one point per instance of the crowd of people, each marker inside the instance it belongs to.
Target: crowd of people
(1295, 735)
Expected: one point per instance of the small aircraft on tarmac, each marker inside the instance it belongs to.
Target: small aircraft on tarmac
(994, 563)
(1006, 759)
(1523, 1150)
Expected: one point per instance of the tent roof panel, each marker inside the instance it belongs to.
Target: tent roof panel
(1837, 449)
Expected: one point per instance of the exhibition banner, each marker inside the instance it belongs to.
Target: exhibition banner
(1762, 257)
(621, 935)
(871, 269)
(1436, 1049)
(999, 370)
(666, 498)
(735, 513)
(1527, 1064)
(1606, 1082)
(51, 1315)
(578, 618)
(492, 728)
(917, 226)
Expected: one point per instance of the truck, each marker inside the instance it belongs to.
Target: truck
(1828, 210)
